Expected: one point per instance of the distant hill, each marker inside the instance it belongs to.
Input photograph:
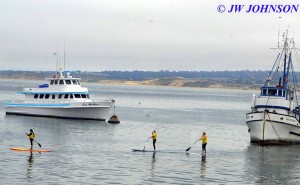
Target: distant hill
(238, 79)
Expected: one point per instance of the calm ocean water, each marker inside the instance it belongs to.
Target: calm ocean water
(93, 152)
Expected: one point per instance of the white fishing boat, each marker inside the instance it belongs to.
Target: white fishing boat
(62, 97)
(274, 118)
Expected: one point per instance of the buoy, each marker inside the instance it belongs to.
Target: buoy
(114, 119)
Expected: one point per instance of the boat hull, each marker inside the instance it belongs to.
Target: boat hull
(273, 128)
(70, 111)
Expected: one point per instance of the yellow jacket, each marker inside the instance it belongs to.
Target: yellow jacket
(31, 135)
(204, 139)
(154, 135)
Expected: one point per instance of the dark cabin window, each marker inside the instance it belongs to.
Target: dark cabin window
(264, 92)
(83, 95)
(74, 82)
(59, 96)
(68, 82)
(272, 92)
(47, 96)
(77, 95)
(66, 96)
(279, 92)
(88, 96)
(41, 96)
(78, 82)
(51, 82)
(53, 96)
(71, 96)
(56, 82)
(61, 82)
(36, 96)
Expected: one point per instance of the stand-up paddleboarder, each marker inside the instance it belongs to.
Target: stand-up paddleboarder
(154, 136)
(204, 143)
(31, 138)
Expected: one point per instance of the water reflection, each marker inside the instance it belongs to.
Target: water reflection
(202, 167)
(29, 168)
(273, 164)
(153, 164)
(203, 155)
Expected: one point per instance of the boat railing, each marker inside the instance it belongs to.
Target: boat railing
(29, 87)
(56, 102)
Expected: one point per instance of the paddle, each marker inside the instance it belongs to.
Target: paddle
(38, 143)
(146, 144)
(191, 146)
(35, 141)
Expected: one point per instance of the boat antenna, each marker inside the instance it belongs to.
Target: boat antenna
(279, 31)
(57, 64)
(64, 55)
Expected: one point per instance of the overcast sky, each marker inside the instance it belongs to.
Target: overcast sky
(140, 35)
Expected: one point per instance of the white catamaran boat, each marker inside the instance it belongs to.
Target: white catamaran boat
(275, 115)
(63, 97)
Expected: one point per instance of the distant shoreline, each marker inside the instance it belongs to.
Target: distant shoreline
(164, 82)
(178, 82)
(196, 79)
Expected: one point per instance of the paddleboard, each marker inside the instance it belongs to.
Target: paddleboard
(136, 150)
(160, 151)
(189, 153)
(28, 150)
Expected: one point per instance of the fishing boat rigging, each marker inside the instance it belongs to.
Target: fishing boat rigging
(274, 116)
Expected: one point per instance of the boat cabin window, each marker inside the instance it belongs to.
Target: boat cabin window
(56, 82)
(51, 82)
(279, 92)
(77, 95)
(68, 82)
(78, 82)
(273, 92)
(61, 82)
(264, 92)
(74, 82)
(61, 96)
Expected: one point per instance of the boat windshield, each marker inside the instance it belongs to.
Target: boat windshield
(273, 92)
(64, 82)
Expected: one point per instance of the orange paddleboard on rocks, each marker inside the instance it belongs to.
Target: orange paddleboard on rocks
(28, 150)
